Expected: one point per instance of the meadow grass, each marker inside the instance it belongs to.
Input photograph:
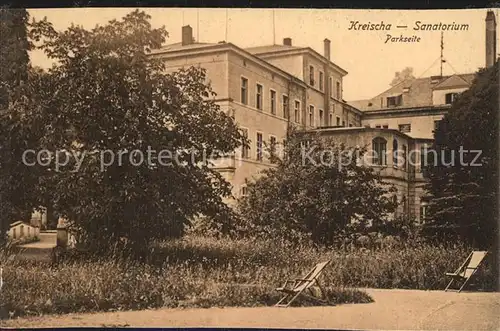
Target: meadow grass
(209, 272)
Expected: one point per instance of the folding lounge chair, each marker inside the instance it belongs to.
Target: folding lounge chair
(300, 285)
(466, 270)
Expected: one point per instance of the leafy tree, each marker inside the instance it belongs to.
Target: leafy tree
(403, 75)
(105, 98)
(464, 196)
(14, 70)
(14, 51)
(316, 191)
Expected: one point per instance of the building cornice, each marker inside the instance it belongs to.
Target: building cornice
(303, 50)
(403, 112)
(225, 47)
(340, 130)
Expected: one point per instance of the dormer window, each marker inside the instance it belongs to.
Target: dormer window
(394, 101)
(450, 97)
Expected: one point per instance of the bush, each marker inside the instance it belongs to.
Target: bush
(315, 192)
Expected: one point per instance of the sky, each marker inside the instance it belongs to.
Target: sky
(370, 61)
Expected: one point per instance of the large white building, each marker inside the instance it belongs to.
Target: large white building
(267, 89)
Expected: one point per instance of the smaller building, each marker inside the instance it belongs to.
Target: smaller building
(22, 230)
(414, 106)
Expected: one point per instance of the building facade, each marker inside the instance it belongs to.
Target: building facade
(269, 89)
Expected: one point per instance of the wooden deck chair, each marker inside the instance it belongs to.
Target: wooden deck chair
(466, 270)
(300, 285)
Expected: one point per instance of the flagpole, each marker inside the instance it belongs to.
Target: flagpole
(226, 24)
(274, 30)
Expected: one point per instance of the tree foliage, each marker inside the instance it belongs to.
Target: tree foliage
(315, 191)
(105, 97)
(404, 75)
(14, 71)
(464, 190)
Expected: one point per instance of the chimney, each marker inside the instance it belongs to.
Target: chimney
(491, 38)
(327, 48)
(287, 41)
(187, 35)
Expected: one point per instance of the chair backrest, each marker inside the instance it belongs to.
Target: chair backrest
(474, 261)
(309, 278)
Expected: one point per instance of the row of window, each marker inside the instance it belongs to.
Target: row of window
(397, 100)
(401, 127)
(321, 83)
(379, 147)
(405, 128)
(259, 147)
(259, 104)
(259, 100)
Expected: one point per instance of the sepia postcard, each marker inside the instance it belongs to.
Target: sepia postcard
(249, 168)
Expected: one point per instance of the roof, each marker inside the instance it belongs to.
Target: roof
(416, 92)
(179, 46)
(18, 223)
(178, 49)
(271, 49)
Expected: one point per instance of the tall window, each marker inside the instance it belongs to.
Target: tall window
(259, 146)
(379, 147)
(321, 81)
(311, 75)
(285, 106)
(338, 121)
(395, 153)
(258, 97)
(331, 86)
(244, 148)
(337, 95)
(330, 119)
(272, 149)
(321, 117)
(244, 91)
(297, 111)
(311, 115)
(423, 157)
(405, 153)
(273, 102)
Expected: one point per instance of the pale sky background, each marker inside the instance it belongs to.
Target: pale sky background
(370, 62)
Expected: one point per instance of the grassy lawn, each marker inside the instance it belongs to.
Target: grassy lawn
(208, 272)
